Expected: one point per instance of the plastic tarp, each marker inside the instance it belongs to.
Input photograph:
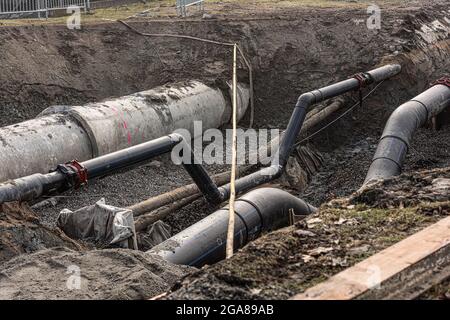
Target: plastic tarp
(100, 223)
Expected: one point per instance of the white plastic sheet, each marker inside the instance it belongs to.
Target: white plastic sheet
(100, 223)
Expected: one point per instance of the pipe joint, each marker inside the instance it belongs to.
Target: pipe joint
(364, 79)
(396, 137)
(75, 174)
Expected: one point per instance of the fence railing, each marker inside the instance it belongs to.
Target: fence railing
(16, 8)
(183, 4)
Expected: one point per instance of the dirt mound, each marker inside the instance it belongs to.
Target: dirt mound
(103, 274)
(342, 233)
(37, 262)
(21, 232)
(409, 189)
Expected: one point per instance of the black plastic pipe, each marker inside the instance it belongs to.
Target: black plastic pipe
(304, 102)
(70, 175)
(129, 157)
(201, 178)
(73, 174)
(400, 128)
(258, 211)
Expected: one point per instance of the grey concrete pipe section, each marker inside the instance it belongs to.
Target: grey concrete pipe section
(258, 211)
(64, 133)
(35, 145)
(400, 128)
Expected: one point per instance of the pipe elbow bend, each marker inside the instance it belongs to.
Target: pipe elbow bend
(398, 115)
(305, 100)
(274, 206)
(405, 120)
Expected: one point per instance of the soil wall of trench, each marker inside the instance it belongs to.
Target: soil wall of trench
(48, 65)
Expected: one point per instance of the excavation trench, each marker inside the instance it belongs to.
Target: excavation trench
(283, 70)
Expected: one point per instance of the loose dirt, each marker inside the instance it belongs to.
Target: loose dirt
(61, 273)
(21, 232)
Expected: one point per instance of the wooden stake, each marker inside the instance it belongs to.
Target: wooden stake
(230, 234)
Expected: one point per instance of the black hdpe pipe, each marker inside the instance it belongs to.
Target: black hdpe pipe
(304, 102)
(258, 211)
(74, 174)
(400, 128)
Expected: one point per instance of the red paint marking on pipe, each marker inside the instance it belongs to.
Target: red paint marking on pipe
(124, 124)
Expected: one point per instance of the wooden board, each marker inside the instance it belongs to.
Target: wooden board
(402, 271)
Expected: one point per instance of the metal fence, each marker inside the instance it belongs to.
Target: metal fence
(18, 8)
(183, 4)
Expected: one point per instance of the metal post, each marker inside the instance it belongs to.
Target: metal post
(39, 8)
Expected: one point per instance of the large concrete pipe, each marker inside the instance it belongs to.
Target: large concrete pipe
(65, 133)
(258, 211)
(400, 128)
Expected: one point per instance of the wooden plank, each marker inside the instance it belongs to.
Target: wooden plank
(402, 271)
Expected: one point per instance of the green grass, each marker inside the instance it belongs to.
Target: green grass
(95, 16)
(166, 8)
